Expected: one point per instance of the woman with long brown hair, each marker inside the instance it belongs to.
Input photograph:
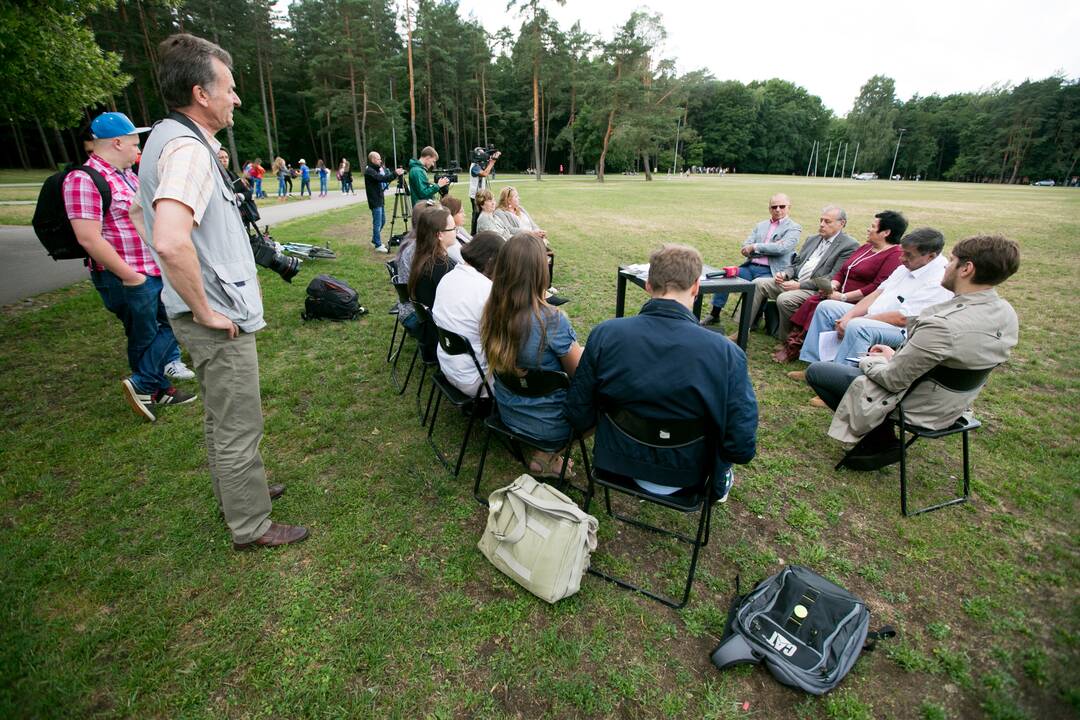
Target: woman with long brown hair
(521, 331)
(435, 232)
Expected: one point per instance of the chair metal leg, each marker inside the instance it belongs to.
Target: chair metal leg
(903, 479)
(420, 386)
(431, 395)
(393, 370)
(465, 440)
(705, 516)
(393, 337)
(480, 470)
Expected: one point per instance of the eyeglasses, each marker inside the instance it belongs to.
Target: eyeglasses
(777, 207)
(449, 229)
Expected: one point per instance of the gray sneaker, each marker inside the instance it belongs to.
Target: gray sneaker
(173, 396)
(723, 488)
(177, 370)
(140, 402)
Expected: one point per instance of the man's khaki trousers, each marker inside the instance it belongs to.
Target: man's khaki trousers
(228, 372)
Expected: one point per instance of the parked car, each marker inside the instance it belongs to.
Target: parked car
(1043, 183)
(866, 176)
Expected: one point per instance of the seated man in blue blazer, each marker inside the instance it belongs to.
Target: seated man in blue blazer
(660, 364)
(767, 250)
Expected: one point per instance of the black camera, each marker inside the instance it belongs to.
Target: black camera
(450, 172)
(482, 155)
(263, 248)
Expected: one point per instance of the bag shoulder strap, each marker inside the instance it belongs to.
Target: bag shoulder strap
(190, 125)
(886, 631)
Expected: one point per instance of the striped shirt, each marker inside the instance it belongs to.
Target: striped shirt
(83, 202)
(186, 173)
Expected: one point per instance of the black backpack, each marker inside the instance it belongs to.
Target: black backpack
(808, 631)
(51, 224)
(331, 299)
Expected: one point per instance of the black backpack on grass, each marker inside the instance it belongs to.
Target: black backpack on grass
(51, 224)
(808, 631)
(331, 299)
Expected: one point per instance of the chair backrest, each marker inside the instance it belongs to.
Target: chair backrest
(423, 312)
(954, 379)
(402, 292)
(391, 268)
(657, 433)
(454, 344)
(534, 383)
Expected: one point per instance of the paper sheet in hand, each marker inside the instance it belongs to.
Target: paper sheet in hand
(828, 344)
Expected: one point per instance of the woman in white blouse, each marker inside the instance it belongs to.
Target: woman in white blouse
(459, 304)
(513, 216)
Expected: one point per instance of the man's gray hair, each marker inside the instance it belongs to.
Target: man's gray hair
(842, 213)
(925, 240)
(185, 61)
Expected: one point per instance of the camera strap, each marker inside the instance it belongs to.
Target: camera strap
(190, 125)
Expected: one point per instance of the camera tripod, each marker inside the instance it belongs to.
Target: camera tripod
(400, 210)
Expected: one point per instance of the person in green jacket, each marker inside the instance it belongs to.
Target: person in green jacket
(419, 187)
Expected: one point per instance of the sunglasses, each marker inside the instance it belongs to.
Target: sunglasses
(777, 207)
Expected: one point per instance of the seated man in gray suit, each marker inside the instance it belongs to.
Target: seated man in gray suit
(973, 330)
(820, 257)
(768, 250)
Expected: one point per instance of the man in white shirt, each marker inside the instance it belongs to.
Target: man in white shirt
(881, 317)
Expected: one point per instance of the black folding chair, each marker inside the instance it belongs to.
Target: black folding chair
(534, 383)
(660, 434)
(475, 406)
(403, 302)
(954, 380)
(423, 313)
(391, 268)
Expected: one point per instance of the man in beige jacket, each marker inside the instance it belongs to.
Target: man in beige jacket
(974, 330)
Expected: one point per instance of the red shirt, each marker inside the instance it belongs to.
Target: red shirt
(257, 171)
(83, 202)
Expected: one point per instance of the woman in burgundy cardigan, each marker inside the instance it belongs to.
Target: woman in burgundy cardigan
(859, 276)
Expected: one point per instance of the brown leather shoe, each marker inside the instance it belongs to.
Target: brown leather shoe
(277, 535)
(817, 402)
(797, 375)
(276, 491)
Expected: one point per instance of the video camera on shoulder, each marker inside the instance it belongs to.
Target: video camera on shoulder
(481, 155)
(450, 172)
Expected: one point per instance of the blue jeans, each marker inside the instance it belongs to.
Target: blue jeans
(280, 186)
(747, 271)
(150, 340)
(825, 316)
(378, 219)
(322, 185)
(862, 334)
(258, 188)
(831, 380)
(305, 184)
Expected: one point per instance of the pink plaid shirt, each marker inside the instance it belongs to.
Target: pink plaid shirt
(83, 202)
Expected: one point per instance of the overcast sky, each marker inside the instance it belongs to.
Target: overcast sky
(831, 48)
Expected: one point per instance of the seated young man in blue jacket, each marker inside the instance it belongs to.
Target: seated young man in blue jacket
(661, 364)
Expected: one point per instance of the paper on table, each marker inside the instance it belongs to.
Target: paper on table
(828, 344)
(640, 270)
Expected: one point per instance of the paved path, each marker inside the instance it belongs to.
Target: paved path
(27, 270)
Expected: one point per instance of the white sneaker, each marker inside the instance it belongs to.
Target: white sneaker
(724, 488)
(381, 249)
(179, 371)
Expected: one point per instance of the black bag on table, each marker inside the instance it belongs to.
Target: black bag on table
(808, 631)
(331, 299)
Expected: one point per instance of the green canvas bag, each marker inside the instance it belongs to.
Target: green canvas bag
(539, 537)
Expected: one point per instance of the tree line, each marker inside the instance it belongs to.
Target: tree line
(335, 79)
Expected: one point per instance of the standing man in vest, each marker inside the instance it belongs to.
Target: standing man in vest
(211, 286)
(121, 267)
(376, 175)
(478, 178)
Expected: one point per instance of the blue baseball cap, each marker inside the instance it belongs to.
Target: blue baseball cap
(113, 125)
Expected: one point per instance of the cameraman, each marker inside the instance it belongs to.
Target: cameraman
(211, 289)
(478, 177)
(419, 187)
(376, 175)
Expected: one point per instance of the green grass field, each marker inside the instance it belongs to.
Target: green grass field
(122, 597)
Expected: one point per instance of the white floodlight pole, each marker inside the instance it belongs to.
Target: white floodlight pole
(675, 159)
(846, 146)
(855, 159)
(813, 149)
(896, 152)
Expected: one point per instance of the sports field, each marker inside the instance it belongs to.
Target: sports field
(121, 595)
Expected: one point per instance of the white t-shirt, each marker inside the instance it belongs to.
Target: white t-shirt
(459, 305)
(910, 292)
